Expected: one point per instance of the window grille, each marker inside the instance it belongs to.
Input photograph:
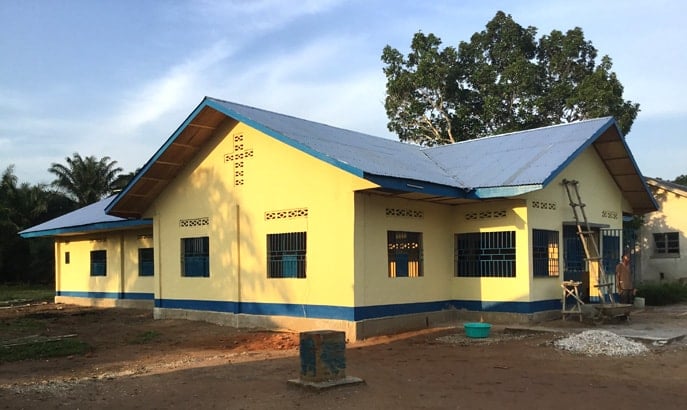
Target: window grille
(67, 258)
(195, 257)
(98, 263)
(286, 255)
(404, 254)
(545, 252)
(667, 244)
(485, 254)
(146, 266)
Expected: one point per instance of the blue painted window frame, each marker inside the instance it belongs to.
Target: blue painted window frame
(99, 263)
(146, 262)
(485, 254)
(545, 253)
(405, 254)
(666, 244)
(286, 255)
(195, 257)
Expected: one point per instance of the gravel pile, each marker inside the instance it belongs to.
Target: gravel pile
(600, 343)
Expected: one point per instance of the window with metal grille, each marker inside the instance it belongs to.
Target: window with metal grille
(286, 255)
(667, 244)
(66, 258)
(145, 262)
(98, 263)
(405, 254)
(195, 257)
(545, 252)
(485, 254)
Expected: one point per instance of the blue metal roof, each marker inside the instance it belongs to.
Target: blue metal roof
(523, 159)
(350, 150)
(87, 219)
(499, 166)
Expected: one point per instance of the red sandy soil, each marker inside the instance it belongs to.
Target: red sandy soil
(138, 362)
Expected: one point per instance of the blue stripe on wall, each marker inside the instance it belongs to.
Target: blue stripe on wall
(358, 313)
(107, 295)
(328, 312)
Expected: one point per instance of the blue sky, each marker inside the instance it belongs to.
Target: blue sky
(118, 77)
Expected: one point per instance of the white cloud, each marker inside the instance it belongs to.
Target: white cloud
(151, 101)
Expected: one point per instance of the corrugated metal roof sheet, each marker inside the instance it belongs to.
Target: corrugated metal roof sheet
(529, 157)
(89, 218)
(499, 166)
(364, 153)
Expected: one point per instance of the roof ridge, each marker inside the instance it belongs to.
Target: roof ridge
(314, 122)
(506, 134)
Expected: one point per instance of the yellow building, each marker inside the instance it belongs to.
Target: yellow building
(264, 220)
(662, 240)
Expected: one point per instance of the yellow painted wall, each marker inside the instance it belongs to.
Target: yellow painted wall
(346, 232)
(548, 207)
(122, 262)
(671, 217)
(372, 281)
(273, 177)
(495, 216)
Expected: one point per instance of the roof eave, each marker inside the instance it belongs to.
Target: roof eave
(100, 226)
(503, 191)
(416, 186)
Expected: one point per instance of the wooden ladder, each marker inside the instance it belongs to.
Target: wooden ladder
(589, 244)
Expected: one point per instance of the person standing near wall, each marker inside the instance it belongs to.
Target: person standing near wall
(623, 280)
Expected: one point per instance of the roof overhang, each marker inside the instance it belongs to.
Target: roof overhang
(616, 156)
(210, 119)
(610, 145)
(89, 228)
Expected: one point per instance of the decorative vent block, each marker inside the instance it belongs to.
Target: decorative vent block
(471, 216)
(609, 214)
(407, 213)
(190, 223)
(286, 214)
(549, 206)
(238, 155)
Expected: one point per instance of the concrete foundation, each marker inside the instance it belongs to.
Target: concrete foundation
(105, 302)
(354, 331)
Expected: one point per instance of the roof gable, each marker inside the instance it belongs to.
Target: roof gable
(498, 166)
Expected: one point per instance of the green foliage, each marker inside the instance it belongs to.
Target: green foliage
(86, 180)
(682, 180)
(663, 293)
(43, 349)
(502, 80)
(23, 205)
(26, 292)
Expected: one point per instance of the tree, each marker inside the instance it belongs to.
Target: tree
(86, 180)
(682, 180)
(502, 80)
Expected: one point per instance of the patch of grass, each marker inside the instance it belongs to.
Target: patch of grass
(21, 324)
(26, 292)
(43, 349)
(662, 293)
(145, 337)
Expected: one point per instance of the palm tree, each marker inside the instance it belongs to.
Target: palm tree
(86, 180)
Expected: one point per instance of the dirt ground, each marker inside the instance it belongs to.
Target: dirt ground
(138, 362)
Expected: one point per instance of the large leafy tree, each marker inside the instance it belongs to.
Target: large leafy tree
(86, 180)
(502, 80)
